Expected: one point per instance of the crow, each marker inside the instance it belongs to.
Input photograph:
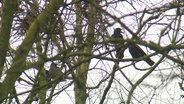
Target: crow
(118, 47)
(137, 52)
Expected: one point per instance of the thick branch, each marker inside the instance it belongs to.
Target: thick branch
(9, 8)
(109, 84)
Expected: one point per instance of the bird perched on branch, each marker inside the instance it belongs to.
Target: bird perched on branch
(118, 45)
(137, 52)
(52, 72)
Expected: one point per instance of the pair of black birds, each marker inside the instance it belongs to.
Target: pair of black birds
(134, 49)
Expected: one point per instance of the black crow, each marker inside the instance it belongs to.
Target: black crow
(137, 52)
(118, 47)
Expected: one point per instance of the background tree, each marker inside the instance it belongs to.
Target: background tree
(61, 51)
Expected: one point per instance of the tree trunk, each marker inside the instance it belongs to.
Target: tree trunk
(82, 71)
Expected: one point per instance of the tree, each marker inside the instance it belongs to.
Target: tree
(73, 36)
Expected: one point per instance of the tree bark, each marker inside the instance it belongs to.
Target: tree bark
(82, 71)
(9, 8)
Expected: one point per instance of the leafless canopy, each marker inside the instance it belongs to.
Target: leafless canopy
(54, 51)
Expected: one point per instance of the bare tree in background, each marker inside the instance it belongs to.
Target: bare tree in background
(54, 51)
